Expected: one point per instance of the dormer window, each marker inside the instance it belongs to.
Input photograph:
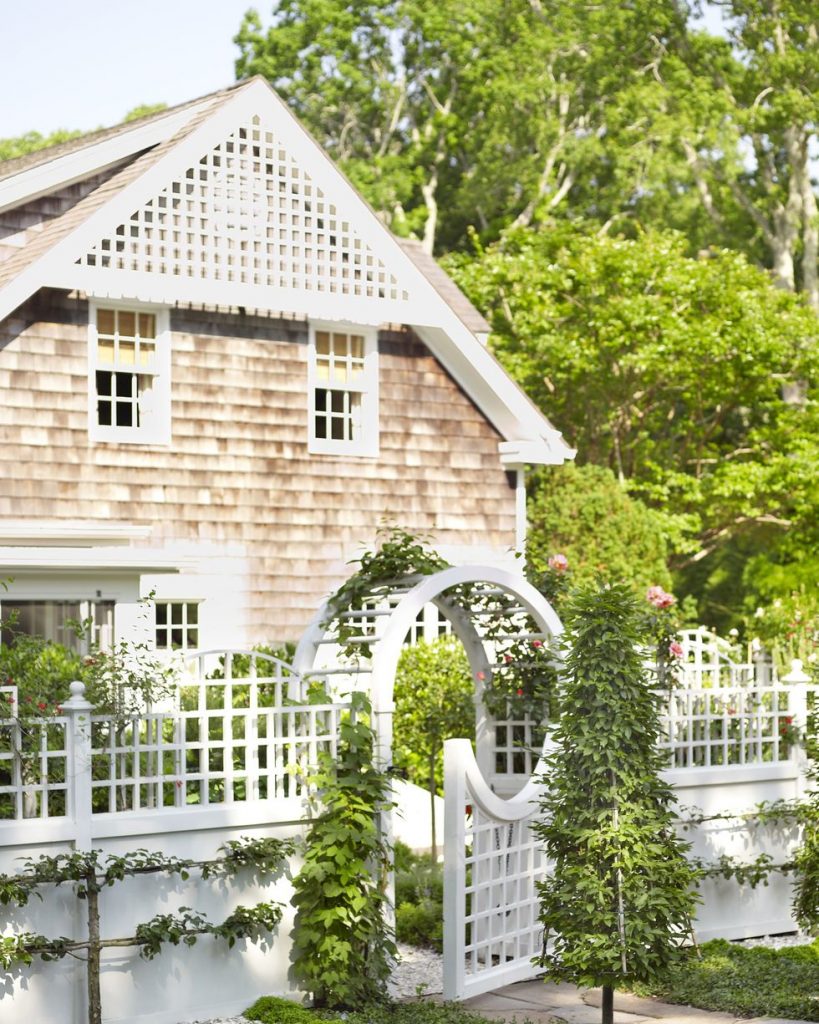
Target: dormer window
(129, 375)
(343, 382)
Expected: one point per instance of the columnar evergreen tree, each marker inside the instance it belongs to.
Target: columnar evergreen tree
(617, 907)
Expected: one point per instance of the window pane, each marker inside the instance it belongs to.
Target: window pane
(176, 614)
(127, 353)
(161, 614)
(193, 613)
(104, 383)
(124, 414)
(127, 323)
(147, 325)
(105, 321)
(125, 385)
(104, 413)
(322, 343)
(105, 351)
(321, 400)
(356, 346)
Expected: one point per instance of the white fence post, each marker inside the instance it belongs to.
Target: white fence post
(78, 766)
(797, 679)
(454, 869)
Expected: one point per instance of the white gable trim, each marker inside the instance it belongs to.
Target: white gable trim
(33, 182)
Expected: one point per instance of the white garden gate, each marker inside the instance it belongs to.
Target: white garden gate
(734, 737)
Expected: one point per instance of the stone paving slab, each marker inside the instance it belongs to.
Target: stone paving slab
(542, 1003)
(647, 1007)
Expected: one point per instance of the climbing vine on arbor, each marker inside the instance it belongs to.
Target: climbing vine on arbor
(398, 554)
(342, 949)
(90, 873)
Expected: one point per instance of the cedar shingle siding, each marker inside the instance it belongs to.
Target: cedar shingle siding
(237, 470)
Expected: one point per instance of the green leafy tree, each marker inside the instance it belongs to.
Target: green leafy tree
(690, 378)
(459, 113)
(434, 701)
(584, 513)
(618, 903)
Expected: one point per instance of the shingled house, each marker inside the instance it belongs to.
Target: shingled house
(220, 371)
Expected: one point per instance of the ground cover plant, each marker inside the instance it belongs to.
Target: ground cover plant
(746, 982)
(274, 1010)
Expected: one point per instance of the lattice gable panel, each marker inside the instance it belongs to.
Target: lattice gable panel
(247, 213)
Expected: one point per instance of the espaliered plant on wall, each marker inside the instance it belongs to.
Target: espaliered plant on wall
(342, 949)
(617, 908)
(90, 873)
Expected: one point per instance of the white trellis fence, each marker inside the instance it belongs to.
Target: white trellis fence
(226, 758)
(734, 738)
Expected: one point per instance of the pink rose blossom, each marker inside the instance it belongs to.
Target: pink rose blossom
(480, 675)
(660, 598)
(537, 643)
(508, 658)
(560, 563)
(675, 649)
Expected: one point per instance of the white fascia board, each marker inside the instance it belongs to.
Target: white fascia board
(58, 559)
(81, 163)
(167, 290)
(68, 532)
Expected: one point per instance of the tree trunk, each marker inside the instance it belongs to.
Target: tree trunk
(810, 239)
(93, 965)
(607, 1005)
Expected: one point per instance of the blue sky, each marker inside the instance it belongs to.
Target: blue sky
(86, 63)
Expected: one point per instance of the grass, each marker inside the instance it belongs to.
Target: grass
(747, 982)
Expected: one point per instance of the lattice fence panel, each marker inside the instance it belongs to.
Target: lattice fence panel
(736, 725)
(33, 760)
(248, 213)
(211, 755)
(503, 865)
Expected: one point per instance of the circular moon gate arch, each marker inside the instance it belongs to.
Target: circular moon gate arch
(388, 615)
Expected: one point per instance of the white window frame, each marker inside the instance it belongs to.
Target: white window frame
(157, 426)
(367, 445)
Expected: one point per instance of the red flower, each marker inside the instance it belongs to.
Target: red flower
(560, 563)
(9, 699)
(519, 692)
(58, 708)
(507, 658)
(537, 643)
(675, 649)
(42, 705)
(480, 675)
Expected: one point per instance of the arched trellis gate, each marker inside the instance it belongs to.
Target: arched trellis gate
(491, 860)
(468, 597)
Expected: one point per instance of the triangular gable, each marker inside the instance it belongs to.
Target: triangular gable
(242, 208)
(247, 213)
(246, 210)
